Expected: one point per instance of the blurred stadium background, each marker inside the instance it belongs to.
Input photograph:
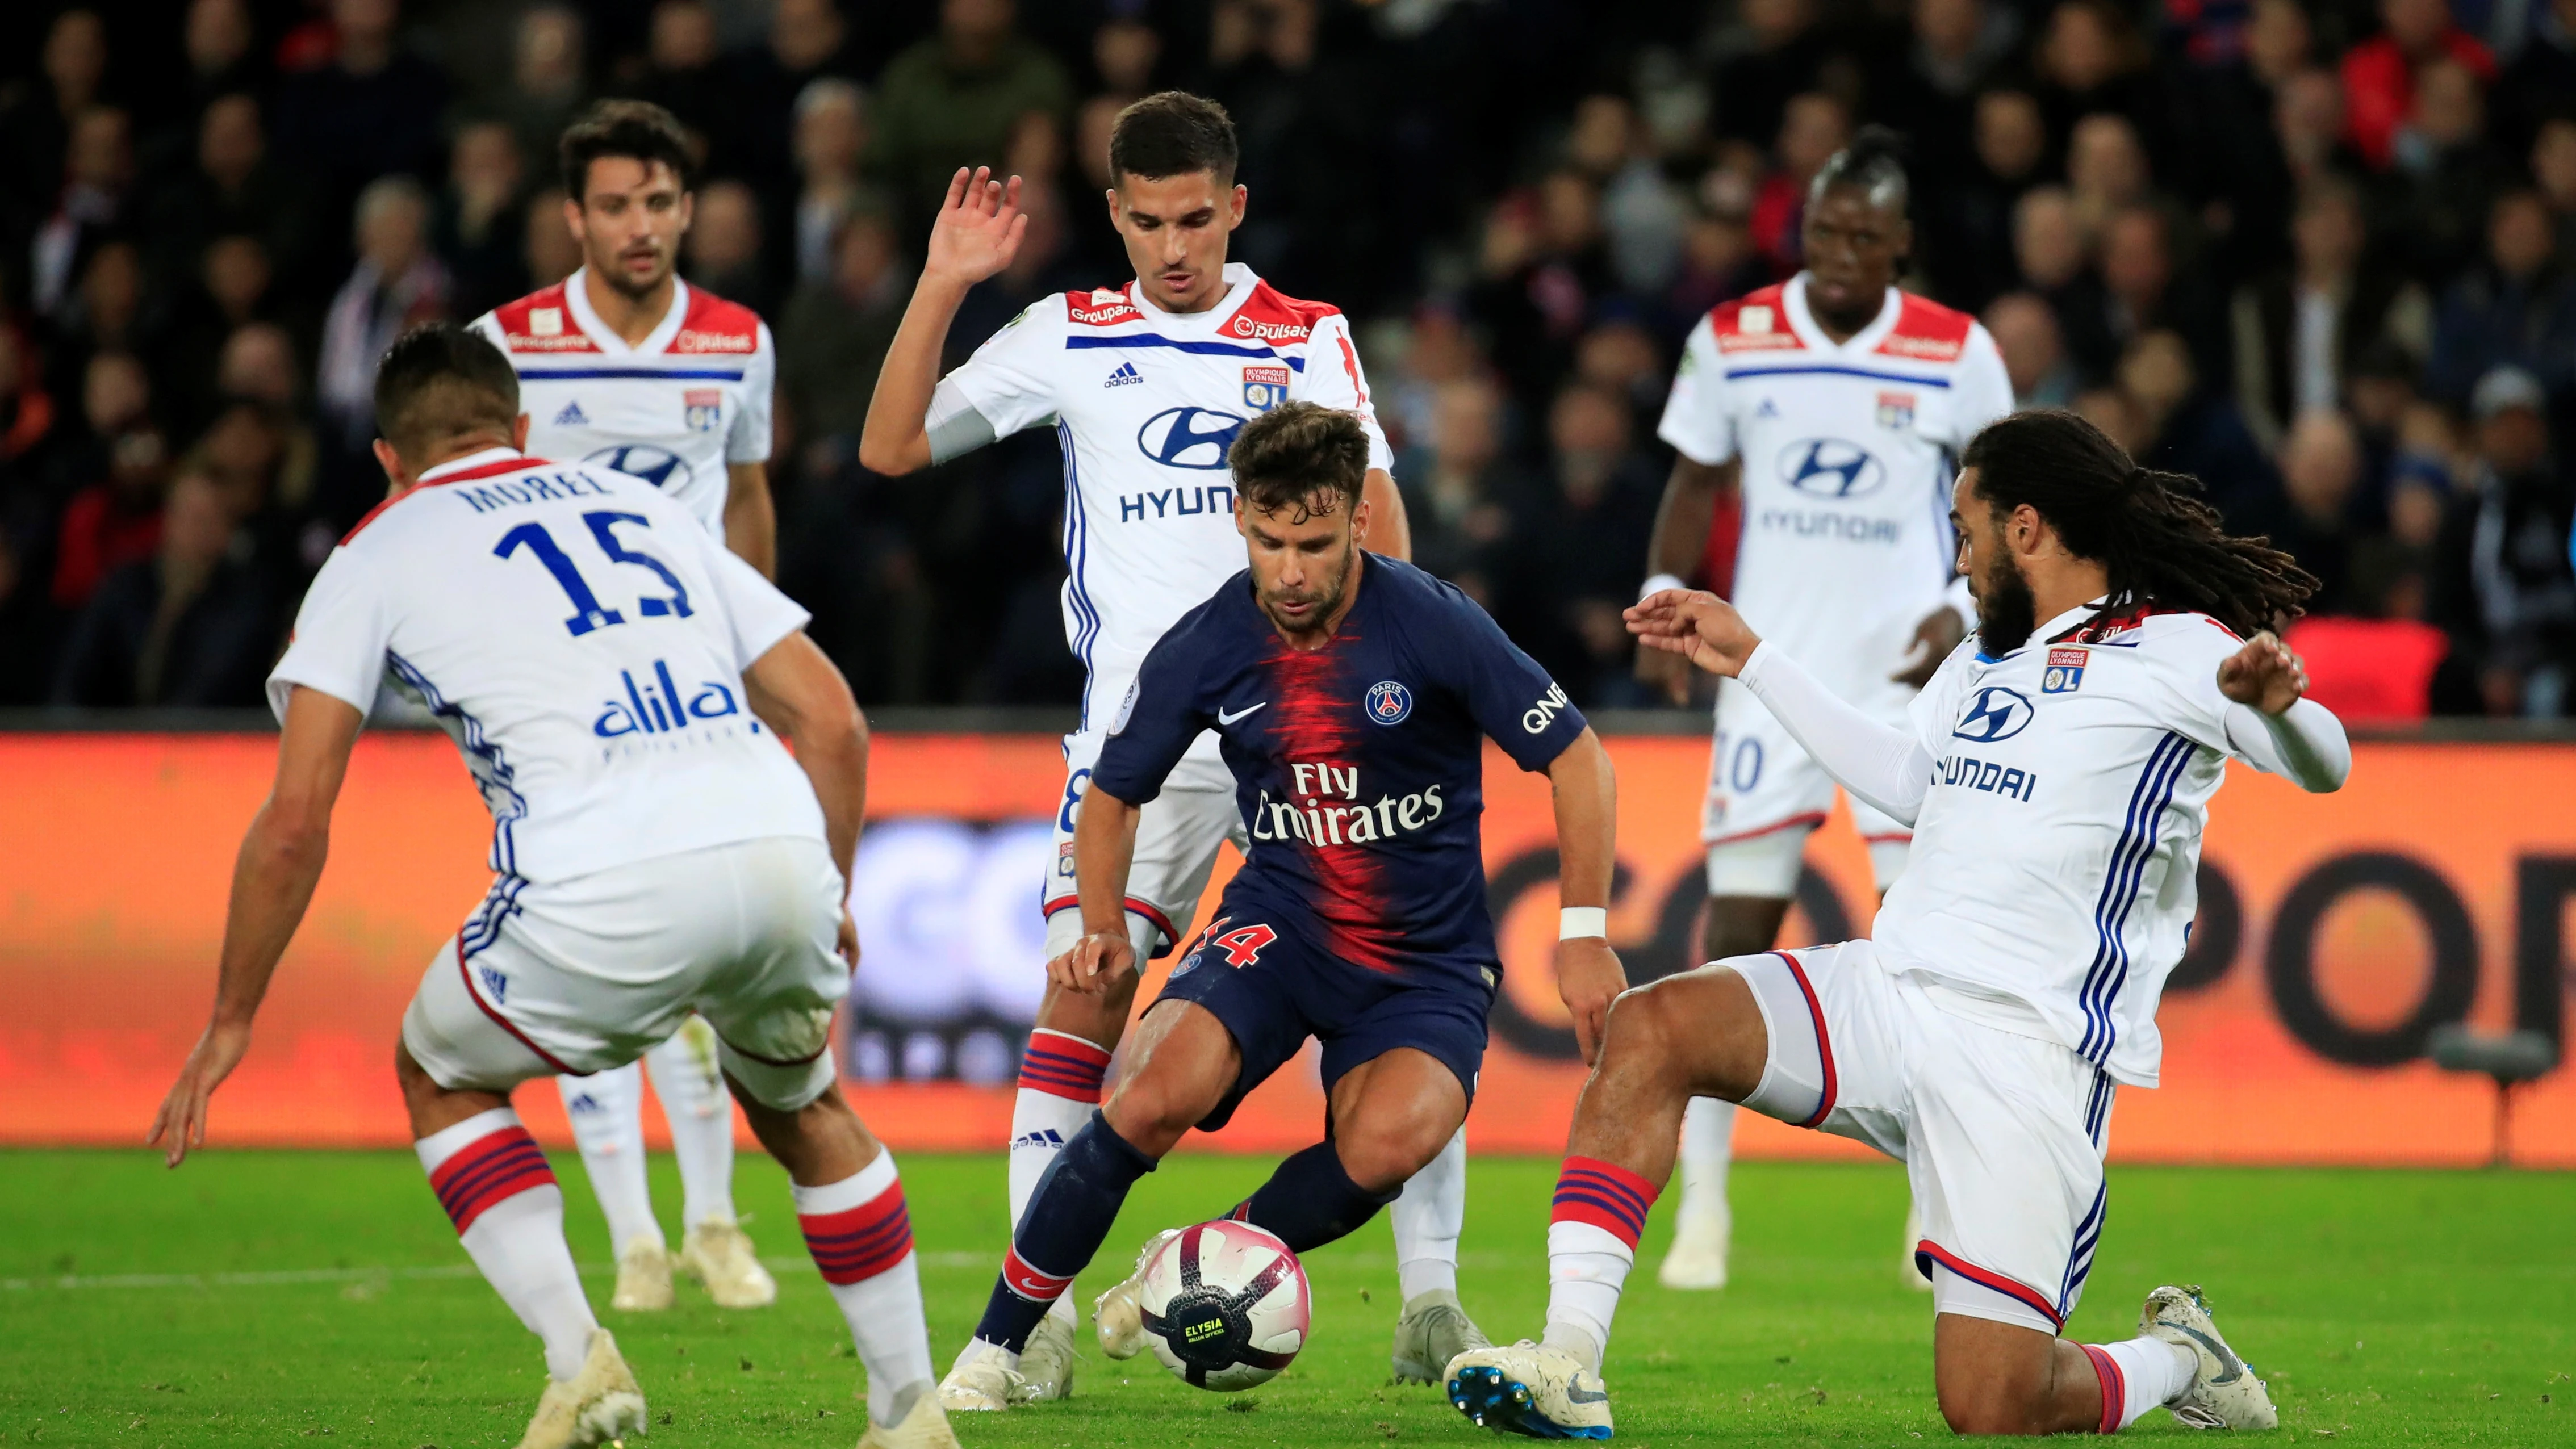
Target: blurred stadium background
(2277, 245)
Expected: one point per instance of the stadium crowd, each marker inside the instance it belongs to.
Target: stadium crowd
(2321, 256)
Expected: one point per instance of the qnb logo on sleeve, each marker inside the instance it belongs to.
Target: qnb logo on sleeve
(1831, 468)
(1996, 713)
(1539, 716)
(660, 467)
(1187, 437)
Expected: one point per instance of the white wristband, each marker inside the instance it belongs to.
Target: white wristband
(1658, 584)
(1576, 923)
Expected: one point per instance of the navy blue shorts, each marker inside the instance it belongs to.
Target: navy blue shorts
(1272, 988)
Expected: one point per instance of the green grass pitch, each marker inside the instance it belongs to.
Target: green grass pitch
(275, 1298)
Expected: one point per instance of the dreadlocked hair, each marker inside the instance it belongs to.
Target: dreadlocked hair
(2153, 532)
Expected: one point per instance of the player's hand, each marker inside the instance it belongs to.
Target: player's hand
(1589, 977)
(846, 945)
(1095, 962)
(1697, 625)
(978, 229)
(1934, 638)
(1665, 674)
(182, 1117)
(2265, 674)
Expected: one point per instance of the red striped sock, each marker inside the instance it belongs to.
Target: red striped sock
(2115, 1387)
(1605, 1195)
(1063, 1066)
(860, 1242)
(487, 1171)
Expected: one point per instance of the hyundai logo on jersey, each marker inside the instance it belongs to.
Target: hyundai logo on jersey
(1995, 714)
(1831, 468)
(658, 466)
(705, 408)
(1188, 437)
(1264, 388)
(653, 706)
(1389, 702)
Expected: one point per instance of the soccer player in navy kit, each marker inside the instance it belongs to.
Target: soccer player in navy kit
(1351, 694)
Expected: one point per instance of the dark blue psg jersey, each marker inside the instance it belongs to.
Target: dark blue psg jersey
(1358, 766)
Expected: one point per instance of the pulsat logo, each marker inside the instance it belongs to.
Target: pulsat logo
(1995, 714)
(1831, 468)
(1187, 437)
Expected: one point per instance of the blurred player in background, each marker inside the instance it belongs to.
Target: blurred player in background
(1146, 386)
(2057, 771)
(623, 365)
(619, 686)
(1834, 404)
(1352, 694)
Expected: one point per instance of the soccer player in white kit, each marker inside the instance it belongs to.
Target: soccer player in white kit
(623, 365)
(2057, 771)
(1146, 386)
(620, 687)
(1836, 404)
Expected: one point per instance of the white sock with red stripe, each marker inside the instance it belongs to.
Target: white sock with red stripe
(1060, 1076)
(861, 1239)
(700, 1113)
(607, 1114)
(2137, 1375)
(1707, 1150)
(498, 1190)
(1592, 1233)
(1428, 1218)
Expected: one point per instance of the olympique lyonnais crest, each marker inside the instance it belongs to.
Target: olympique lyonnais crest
(1389, 702)
(706, 408)
(2065, 671)
(1264, 388)
(1896, 410)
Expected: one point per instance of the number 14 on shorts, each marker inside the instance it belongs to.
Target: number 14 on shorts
(1242, 946)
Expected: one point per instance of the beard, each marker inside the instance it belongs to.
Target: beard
(2006, 612)
(1324, 594)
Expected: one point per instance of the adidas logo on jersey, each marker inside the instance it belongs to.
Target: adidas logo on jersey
(572, 416)
(1125, 374)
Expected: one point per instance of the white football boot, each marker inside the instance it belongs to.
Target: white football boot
(598, 1405)
(1528, 1388)
(643, 1275)
(718, 1253)
(1909, 1268)
(1433, 1330)
(2224, 1392)
(1046, 1365)
(923, 1426)
(982, 1381)
(1697, 1260)
(1118, 1316)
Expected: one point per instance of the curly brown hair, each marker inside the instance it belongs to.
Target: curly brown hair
(1300, 455)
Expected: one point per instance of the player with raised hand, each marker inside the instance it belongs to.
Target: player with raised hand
(2057, 771)
(1835, 405)
(1352, 694)
(1146, 385)
(620, 687)
(625, 366)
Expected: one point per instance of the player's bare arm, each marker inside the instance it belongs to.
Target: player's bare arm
(1588, 974)
(1104, 845)
(799, 692)
(751, 517)
(976, 235)
(1692, 496)
(1389, 532)
(1935, 636)
(273, 879)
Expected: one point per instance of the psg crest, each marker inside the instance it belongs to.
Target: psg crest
(1264, 388)
(1389, 702)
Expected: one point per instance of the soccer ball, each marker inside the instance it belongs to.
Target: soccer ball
(1225, 1305)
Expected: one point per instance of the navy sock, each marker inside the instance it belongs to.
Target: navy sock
(1067, 1218)
(1310, 1200)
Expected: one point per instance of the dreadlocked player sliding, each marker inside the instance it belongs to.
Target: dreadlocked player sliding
(2056, 771)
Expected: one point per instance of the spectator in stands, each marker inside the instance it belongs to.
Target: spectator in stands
(2321, 463)
(2446, 176)
(234, 189)
(2380, 74)
(2090, 62)
(1619, 356)
(722, 250)
(2025, 333)
(1125, 51)
(1718, 262)
(1966, 227)
(550, 253)
(220, 42)
(1813, 126)
(831, 139)
(1459, 492)
(106, 312)
(2184, 427)
(2540, 85)
(548, 81)
(2231, 155)
(836, 329)
(1642, 212)
(397, 284)
(1774, 51)
(2049, 250)
(2553, 172)
(808, 42)
(1577, 543)
(188, 628)
(951, 101)
(2106, 171)
(681, 75)
(2144, 289)
(1931, 95)
(233, 289)
(1542, 267)
(2308, 125)
(478, 231)
(2392, 569)
(2298, 333)
(2506, 593)
(2517, 310)
(92, 203)
(372, 109)
(36, 123)
(114, 514)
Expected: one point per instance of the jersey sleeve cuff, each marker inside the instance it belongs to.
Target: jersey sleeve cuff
(282, 687)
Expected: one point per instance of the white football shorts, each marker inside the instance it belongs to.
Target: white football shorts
(2001, 1135)
(1177, 835)
(1765, 797)
(578, 976)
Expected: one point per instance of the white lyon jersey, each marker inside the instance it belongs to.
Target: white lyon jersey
(583, 641)
(1847, 457)
(674, 410)
(2056, 853)
(1145, 403)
